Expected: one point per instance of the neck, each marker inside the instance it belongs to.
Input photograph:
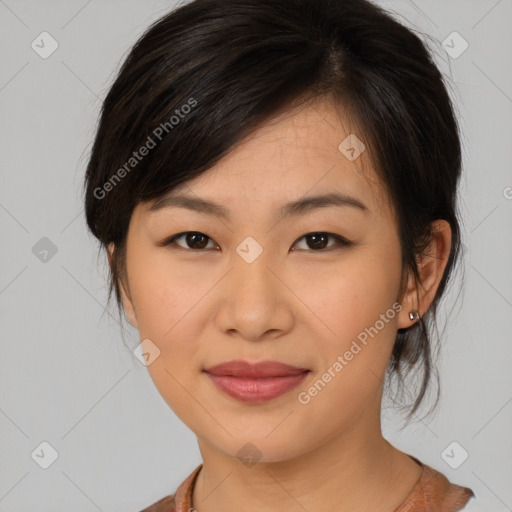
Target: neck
(354, 470)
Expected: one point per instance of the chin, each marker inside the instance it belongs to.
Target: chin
(250, 450)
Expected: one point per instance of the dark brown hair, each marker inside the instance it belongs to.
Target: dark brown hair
(205, 75)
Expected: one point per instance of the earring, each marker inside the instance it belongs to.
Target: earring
(414, 315)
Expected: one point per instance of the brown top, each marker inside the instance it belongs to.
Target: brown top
(432, 493)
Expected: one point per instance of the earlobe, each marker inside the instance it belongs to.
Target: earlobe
(128, 306)
(410, 312)
(110, 253)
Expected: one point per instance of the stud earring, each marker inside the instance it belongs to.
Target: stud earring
(414, 315)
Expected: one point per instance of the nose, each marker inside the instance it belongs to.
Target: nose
(255, 303)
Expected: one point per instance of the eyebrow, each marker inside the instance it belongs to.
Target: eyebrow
(294, 208)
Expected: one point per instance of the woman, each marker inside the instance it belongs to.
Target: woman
(275, 184)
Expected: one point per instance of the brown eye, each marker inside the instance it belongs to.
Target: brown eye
(193, 240)
(319, 241)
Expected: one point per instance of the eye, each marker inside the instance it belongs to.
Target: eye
(319, 241)
(193, 239)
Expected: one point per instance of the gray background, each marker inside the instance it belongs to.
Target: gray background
(66, 377)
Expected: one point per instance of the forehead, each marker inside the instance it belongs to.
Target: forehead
(306, 150)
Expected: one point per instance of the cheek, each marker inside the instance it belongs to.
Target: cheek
(168, 304)
(350, 299)
(164, 295)
(358, 308)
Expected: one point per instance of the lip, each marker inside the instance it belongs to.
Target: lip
(255, 383)
(244, 369)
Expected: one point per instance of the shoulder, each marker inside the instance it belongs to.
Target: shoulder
(435, 493)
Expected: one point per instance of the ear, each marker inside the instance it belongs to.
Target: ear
(431, 266)
(128, 306)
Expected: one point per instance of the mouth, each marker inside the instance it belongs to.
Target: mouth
(255, 383)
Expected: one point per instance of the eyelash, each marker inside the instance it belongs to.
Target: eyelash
(341, 241)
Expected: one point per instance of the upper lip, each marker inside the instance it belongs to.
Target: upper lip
(240, 368)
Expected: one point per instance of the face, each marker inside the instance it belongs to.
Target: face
(313, 286)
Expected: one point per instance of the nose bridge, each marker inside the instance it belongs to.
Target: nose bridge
(253, 298)
(251, 272)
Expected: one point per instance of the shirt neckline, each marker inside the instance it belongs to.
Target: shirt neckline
(183, 496)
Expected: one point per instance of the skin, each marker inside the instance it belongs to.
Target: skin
(295, 304)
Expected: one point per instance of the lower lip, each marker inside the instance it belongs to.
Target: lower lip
(256, 390)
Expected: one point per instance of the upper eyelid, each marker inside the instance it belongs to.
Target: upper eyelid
(172, 238)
